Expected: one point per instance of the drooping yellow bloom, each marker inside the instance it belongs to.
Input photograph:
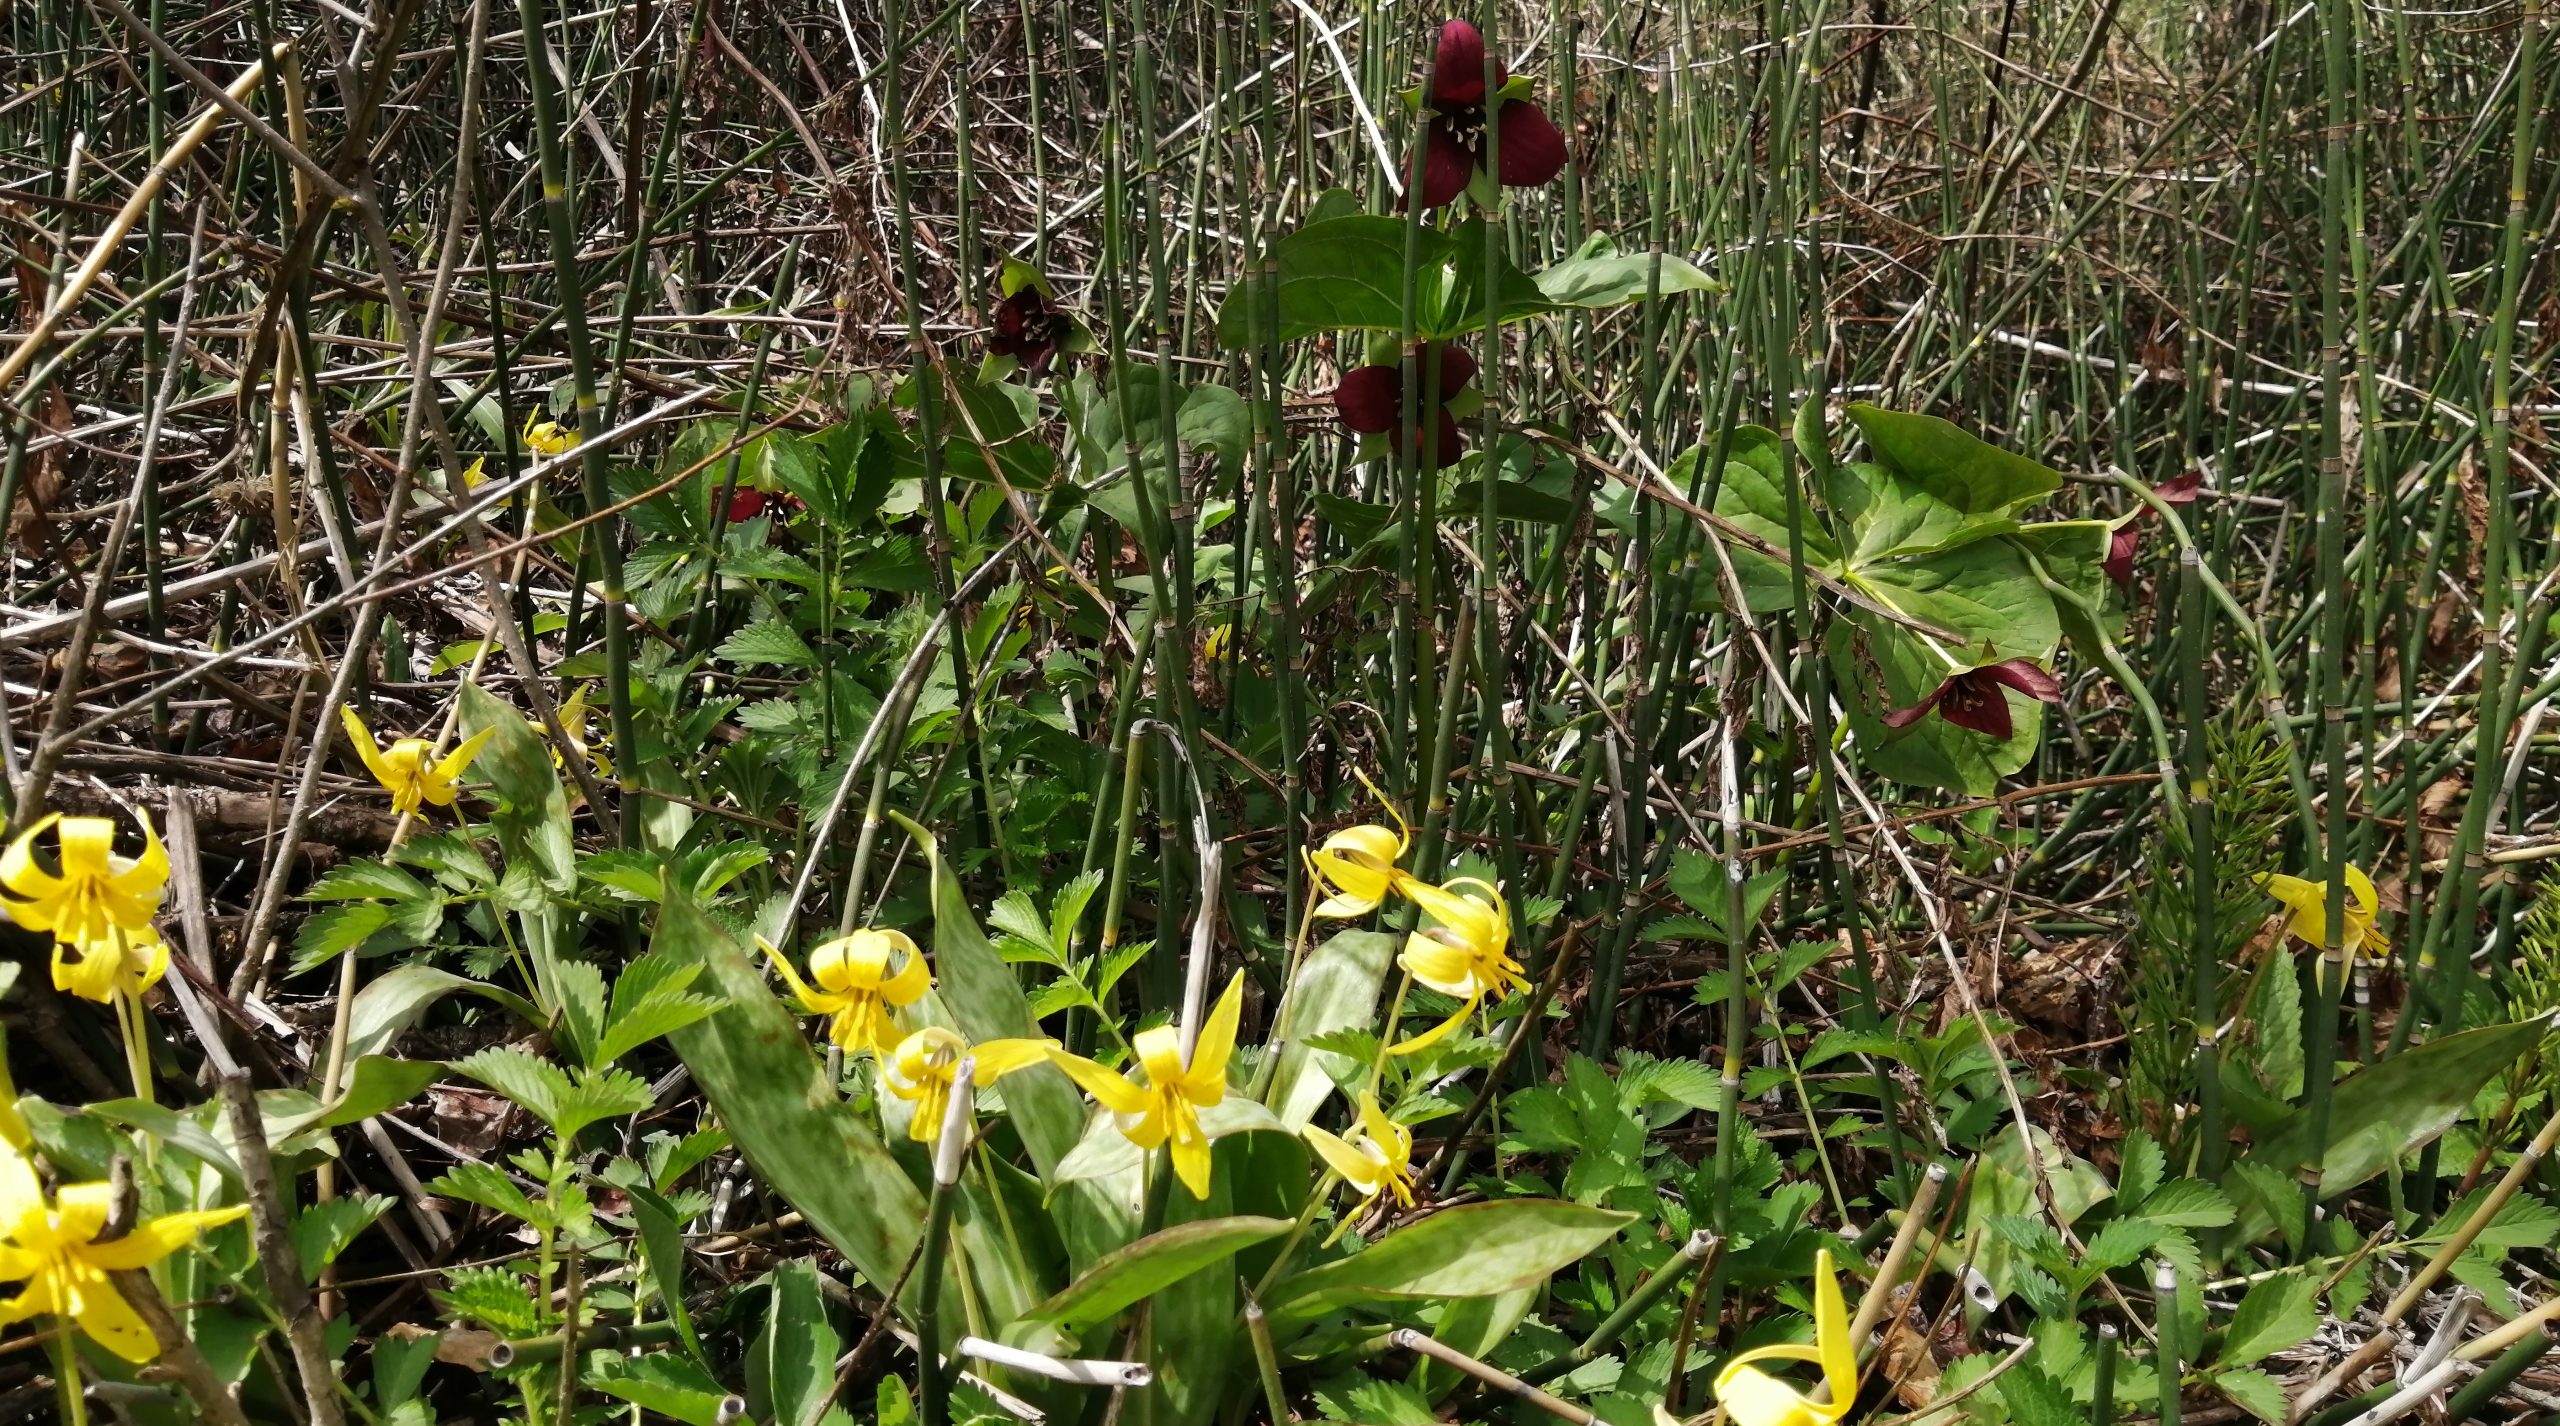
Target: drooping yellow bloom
(856, 985)
(1359, 863)
(922, 1067)
(98, 906)
(1752, 1397)
(1467, 955)
(1166, 1109)
(2307, 912)
(409, 770)
(1220, 643)
(549, 438)
(1379, 1161)
(573, 722)
(53, 1248)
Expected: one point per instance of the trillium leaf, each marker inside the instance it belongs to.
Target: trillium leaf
(1334, 274)
(1982, 593)
(1601, 276)
(1753, 495)
(1963, 470)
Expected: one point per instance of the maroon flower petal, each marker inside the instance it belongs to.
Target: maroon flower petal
(1905, 717)
(2024, 677)
(746, 505)
(2180, 489)
(1369, 398)
(2121, 543)
(1449, 442)
(1975, 702)
(1456, 367)
(1457, 75)
(1447, 164)
(1530, 150)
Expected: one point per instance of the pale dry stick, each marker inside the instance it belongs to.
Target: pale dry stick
(2375, 1348)
(278, 1257)
(78, 283)
(1492, 1376)
(50, 745)
(186, 877)
(1879, 1294)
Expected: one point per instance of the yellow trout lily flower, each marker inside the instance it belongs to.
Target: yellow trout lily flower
(53, 1248)
(98, 906)
(1379, 1161)
(1752, 1397)
(549, 438)
(2307, 912)
(1467, 955)
(920, 1071)
(856, 985)
(1359, 863)
(1166, 1109)
(409, 770)
(573, 721)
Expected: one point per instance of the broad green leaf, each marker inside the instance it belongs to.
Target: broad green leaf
(374, 1083)
(1960, 469)
(2278, 1314)
(171, 1127)
(2071, 551)
(1334, 274)
(1753, 495)
(2385, 1113)
(767, 641)
(1981, 593)
(1879, 667)
(322, 1231)
(801, 1138)
(2004, 1188)
(533, 820)
(1601, 276)
(394, 1001)
(1884, 515)
(1337, 988)
(662, 1251)
(1475, 1250)
(662, 1383)
(352, 880)
(1145, 1267)
(791, 1366)
(1700, 881)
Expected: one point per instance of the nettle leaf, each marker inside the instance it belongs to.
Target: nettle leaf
(534, 1083)
(329, 933)
(579, 987)
(355, 880)
(2187, 1203)
(2255, 1392)
(493, 1297)
(448, 854)
(2274, 1317)
(322, 1231)
(767, 641)
(2121, 1243)
(2142, 1166)
(488, 1186)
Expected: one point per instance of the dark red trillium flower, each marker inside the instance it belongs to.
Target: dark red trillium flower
(1972, 699)
(2126, 538)
(746, 504)
(1027, 329)
(1530, 151)
(1371, 401)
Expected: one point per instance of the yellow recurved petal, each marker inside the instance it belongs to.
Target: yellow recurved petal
(815, 1002)
(1113, 1092)
(1205, 1082)
(149, 1242)
(1438, 1032)
(1357, 1169)
(1188, 1145)
(450, 770)
(19, 872)
(86, 844)
(366, 748)
(1752, 1397)
(998, 1058)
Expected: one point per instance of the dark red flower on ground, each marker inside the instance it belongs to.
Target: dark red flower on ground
(1370, 401)
(1528, 149)
(2126, 538)
(1027, 329)
(1972, 699)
